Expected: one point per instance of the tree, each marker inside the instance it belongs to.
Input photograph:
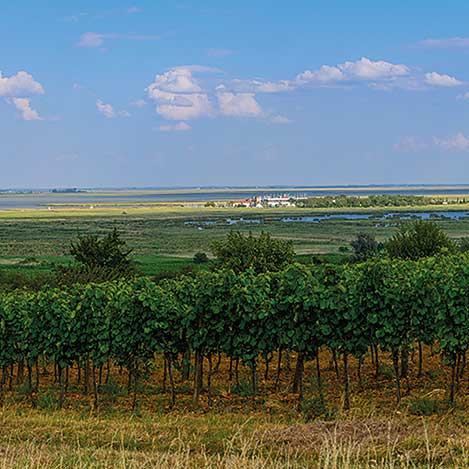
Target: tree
(262, 254)
(463, 245)
(200, 258)
(109, 252)
(418, 240)
(364, 246)
(97, 260)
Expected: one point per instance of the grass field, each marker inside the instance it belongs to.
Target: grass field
(240, 430)
(34, 439)
(34, 240)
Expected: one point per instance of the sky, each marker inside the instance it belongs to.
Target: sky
(193, 93)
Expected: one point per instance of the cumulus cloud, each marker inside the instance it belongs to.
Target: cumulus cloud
(21, 84)
(17, 90)
(238, 104)
(437, 79)
(458, 142)
(379, 75)
(189, 106)
(108, 111)
(176, 80)
(325, 74)
(363, 69)
(373, 70)
(179, 127)
(23, 105)
(92, 39)
(178, 94)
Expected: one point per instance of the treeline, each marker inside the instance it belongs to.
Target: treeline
(383, 200)
(362, 310)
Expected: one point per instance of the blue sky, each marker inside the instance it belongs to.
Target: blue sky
(158, 93)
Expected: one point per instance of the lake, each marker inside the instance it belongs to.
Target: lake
(43, 199)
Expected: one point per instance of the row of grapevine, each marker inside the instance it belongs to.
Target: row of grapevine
(353, 310)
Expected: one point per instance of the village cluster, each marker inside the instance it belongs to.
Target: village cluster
(266, 201)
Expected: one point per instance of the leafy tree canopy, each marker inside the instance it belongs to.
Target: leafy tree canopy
(241, 252)
(418, 240)
(98, 260)
(364, 247)
(109, 252)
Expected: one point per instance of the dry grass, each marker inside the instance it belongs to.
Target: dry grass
(239, 431)
(37, 439)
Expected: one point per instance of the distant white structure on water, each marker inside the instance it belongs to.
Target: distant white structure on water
(267, 201)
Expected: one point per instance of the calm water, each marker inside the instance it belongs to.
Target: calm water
(339, 216)
(43, 199)
(387, 216)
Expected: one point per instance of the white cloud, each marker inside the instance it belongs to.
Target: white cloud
(238, 104)
(21, 84)
(178, 94)
(458, 142)
(379, 75)
(106, 110)
(139, 103)
(185, 107)
(436, 79)
(176, 80)
(179, 127)
(370, 70)
(274, 87)
(324, 74)
(464, 96)
(197, 68)
(363, 69)
(409, 144)
(23, 105)
(92, 39)
(17, 89)
(259, 86)
(459, 42)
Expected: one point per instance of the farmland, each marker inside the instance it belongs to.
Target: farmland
(166, 236)
(232, 425)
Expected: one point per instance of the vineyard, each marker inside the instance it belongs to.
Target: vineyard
(369, 312)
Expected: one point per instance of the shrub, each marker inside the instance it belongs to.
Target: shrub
(425, 407)
(314, 408)
(200, 258)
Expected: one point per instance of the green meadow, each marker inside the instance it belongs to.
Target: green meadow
(164, 237)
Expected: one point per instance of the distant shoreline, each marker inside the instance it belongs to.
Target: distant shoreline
(223, 189)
